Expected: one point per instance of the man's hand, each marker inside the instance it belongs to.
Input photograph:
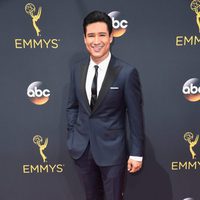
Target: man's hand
(133, 165)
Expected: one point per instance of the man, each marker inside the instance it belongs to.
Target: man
(104, 90)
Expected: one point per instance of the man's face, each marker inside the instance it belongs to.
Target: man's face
(97, 41)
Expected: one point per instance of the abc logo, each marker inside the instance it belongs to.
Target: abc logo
(119, 26)
(37, 94)
(188, 198)
(191, 90)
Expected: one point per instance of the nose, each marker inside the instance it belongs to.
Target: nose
(96, 39)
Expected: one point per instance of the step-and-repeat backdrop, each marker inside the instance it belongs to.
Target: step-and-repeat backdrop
(40, 40)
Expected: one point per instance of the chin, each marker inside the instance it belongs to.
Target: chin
(97, 55)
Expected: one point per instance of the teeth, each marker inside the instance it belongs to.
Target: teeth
(96, 48)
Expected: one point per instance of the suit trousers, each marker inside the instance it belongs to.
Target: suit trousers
(100, 182)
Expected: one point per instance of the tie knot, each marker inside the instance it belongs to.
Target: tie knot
(96, 67)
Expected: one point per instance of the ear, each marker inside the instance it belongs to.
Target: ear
(84, 38)
(111, 38)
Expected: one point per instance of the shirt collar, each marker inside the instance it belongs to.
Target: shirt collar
(102, 64)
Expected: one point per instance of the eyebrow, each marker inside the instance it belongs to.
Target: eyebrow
(97, 33)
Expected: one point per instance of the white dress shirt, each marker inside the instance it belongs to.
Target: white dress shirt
(103, 66)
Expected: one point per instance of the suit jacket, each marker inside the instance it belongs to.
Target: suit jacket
(105, 126)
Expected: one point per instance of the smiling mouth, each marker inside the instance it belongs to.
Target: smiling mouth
(97, 48)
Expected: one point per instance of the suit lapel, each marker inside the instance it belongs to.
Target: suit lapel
(110, 76)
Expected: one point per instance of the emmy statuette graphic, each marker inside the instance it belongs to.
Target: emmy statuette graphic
(188, 136)
(37, 139)
(31, 10)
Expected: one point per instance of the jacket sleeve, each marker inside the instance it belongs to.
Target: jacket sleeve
(134, 105)
(72, 107)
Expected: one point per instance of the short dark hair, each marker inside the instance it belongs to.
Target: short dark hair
(97, 16)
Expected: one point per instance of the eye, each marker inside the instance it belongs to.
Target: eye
(102, 34)
(90, 35)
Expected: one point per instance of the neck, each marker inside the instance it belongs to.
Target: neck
(97, 60)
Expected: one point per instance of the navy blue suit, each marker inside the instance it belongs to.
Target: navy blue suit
(104, 128)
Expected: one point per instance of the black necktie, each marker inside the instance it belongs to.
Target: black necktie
(94, 88)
